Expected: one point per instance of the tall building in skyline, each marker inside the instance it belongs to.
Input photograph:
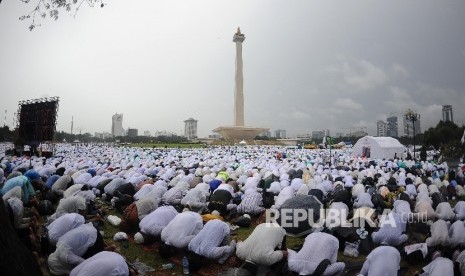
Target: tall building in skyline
(190, 128)
(280, 133)
(381, 128)
(392, 127)
(117, 125)
(447, 114)
(318, 135)
(408, 127)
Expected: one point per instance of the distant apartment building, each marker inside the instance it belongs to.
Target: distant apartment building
(164, 133)
(447, 114)
(318, 135)
(267, 133)
(102, 135)
(147, 133)
(392, 129)
(190, 128)
(117, 125)
(359, 133)
(280, 133)
(381, 128)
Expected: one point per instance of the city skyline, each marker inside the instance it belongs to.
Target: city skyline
(305, 71)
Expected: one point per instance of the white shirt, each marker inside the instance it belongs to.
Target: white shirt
(208, 241)
(251, 203)
(439, 234)
(60, 185)
(70, 204)
(62, 225)
(144, 190)
(154, 222)
(383, 260)
(182, 229)
(444, 211)
(156, 192)
(226, 187)
(440, 266)
(424, 209)
(18, 210)
(457, 234)
(146, 205)
(285, 194)
(459, 210)
(113, 185)
(363, 200)
(70, 248)
(94, 181)
(73, 190)
(194, 197)
(316, 248)
(402, 207)
(174, 195)
(103, 263)
(259, 247)
(391, 231)
(83, 178)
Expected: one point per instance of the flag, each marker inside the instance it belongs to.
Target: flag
(463, 137)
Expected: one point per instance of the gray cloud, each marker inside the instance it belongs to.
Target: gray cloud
(307, 65)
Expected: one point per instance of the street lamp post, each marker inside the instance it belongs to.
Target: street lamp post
(412, 116)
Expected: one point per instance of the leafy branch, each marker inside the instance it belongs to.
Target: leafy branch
(54, 8)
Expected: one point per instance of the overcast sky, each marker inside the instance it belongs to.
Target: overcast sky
(308, 65)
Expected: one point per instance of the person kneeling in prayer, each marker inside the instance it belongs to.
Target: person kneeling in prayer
(260, 247)
(318, 256)
(383, 260)
(212, 241)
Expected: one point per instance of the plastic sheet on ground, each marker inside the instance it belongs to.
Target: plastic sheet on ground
(141, 268)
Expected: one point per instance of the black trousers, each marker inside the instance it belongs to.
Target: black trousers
(97, 247)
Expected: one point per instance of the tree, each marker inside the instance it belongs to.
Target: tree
(445, 137)
(7, 135)
(54, 8)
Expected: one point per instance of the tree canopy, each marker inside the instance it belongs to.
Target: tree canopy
(446, 137)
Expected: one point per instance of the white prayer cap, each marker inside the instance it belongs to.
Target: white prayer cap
(138, 238)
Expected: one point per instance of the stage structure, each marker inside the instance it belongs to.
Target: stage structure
(37, 121)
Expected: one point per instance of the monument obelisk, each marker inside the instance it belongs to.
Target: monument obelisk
(239, 131)
(239, 84)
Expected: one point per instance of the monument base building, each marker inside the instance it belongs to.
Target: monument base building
(239, 133)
